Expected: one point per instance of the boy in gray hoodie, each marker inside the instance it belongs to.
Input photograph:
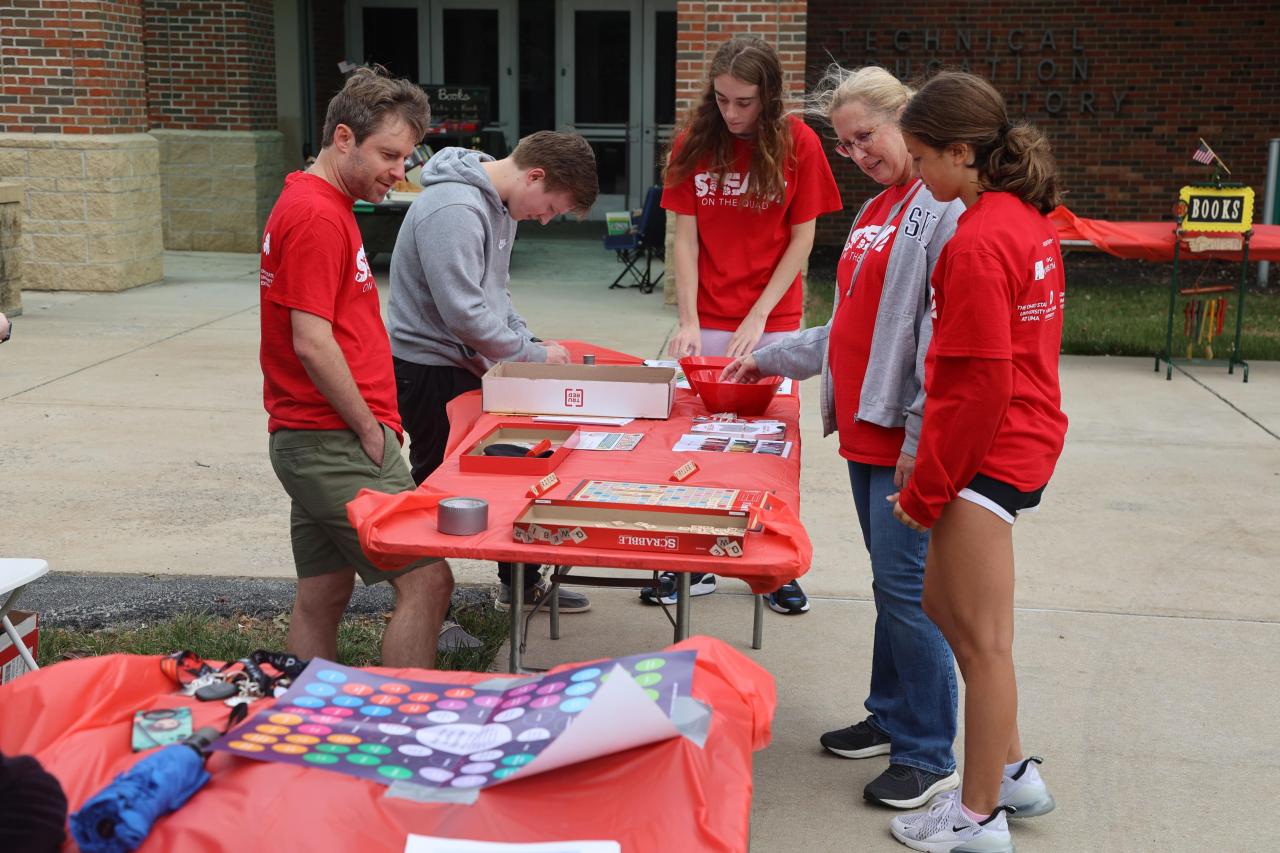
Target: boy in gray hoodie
(450, 316)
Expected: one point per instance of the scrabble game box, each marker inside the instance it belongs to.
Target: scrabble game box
(674, 519)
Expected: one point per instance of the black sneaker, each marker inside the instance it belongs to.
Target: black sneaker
(861, 740)
(788, 599)
(903, 787)
(667, 593)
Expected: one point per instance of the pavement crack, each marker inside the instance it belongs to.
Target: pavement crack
(1241, 411)
(177, 334)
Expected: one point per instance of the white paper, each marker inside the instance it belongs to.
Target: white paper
(693, 442)
(586, 420)
(608, 440)
(435, 844)
(619, 717)
(751, 429)
(682, 381)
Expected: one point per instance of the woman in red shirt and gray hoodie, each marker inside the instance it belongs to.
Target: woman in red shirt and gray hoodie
(993, 430)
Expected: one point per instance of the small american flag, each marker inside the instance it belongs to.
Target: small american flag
(1204, 154)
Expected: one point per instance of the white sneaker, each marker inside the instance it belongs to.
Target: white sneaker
(945, 828)
(1025, 792)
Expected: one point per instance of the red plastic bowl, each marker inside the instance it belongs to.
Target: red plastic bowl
(693, 362)
(745, 399)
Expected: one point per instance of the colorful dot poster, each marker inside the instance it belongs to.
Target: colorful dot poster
(460, 738)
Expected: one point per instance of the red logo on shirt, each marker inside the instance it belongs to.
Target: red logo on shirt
(573, 397)
(363, 274)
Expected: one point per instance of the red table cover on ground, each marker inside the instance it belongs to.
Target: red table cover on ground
(397, 529)
(1153, 241)
(76, 718)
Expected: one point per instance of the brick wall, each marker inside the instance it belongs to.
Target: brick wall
(1122, 89)
(701, 27)
(210, 65)
(71, 67)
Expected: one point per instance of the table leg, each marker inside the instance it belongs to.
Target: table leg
(517, 609)
(23, 651)
(555, 603)
(757, 629)
(682, 606)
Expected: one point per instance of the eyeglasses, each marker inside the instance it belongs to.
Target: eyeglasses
(860, 141)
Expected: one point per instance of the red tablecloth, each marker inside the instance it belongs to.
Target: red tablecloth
(1153, 241)
(397, 529)
(76, 718)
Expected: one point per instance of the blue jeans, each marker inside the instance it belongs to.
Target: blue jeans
(913, 676)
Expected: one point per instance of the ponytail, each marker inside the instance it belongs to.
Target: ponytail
(956, 107)
(1021, 162)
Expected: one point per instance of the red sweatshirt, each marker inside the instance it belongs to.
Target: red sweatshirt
(993, 405)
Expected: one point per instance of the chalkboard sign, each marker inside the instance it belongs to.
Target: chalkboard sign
(459, 103)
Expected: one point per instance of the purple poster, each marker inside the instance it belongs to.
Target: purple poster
(450, 735)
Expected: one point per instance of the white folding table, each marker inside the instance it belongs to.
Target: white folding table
(15, 574)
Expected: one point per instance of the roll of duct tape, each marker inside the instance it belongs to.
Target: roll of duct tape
(462, 516)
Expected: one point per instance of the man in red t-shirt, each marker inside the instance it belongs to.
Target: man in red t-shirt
(328, 384)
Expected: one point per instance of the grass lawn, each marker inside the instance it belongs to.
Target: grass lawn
(1120, 307)
(223, 638)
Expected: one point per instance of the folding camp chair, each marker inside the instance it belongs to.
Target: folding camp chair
(644, 240)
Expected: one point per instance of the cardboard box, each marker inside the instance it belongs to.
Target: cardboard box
(609, 390)
(27, 625)
(563, 439)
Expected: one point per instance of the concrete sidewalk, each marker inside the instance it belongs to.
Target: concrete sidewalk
(132, 439)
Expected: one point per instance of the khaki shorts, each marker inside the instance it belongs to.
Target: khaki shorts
(321, 470)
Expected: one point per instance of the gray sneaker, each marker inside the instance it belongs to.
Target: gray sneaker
(454, 638)
(570, 601)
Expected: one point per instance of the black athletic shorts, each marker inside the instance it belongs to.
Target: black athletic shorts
(1000, 497)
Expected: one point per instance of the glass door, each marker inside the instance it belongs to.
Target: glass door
(608, 54)
(473, 43)
(389, 32)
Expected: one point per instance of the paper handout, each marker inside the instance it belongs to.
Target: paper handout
(710, 443)
(435, 844)
(465, 737)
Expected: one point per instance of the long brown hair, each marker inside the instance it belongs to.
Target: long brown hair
(955, 107)
(705, 139)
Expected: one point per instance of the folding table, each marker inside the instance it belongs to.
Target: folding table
(15, 574)
(398, 529)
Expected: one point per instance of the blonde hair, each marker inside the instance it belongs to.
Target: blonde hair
(871, 85)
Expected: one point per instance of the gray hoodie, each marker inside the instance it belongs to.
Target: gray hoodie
(449, 299)
(893, 388)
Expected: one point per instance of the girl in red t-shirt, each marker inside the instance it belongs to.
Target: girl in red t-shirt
(746, 184)
(993, 430)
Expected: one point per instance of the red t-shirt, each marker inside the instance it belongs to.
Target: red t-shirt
(998, 291)
(313, 260)
(741, 241)
(849, 346)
